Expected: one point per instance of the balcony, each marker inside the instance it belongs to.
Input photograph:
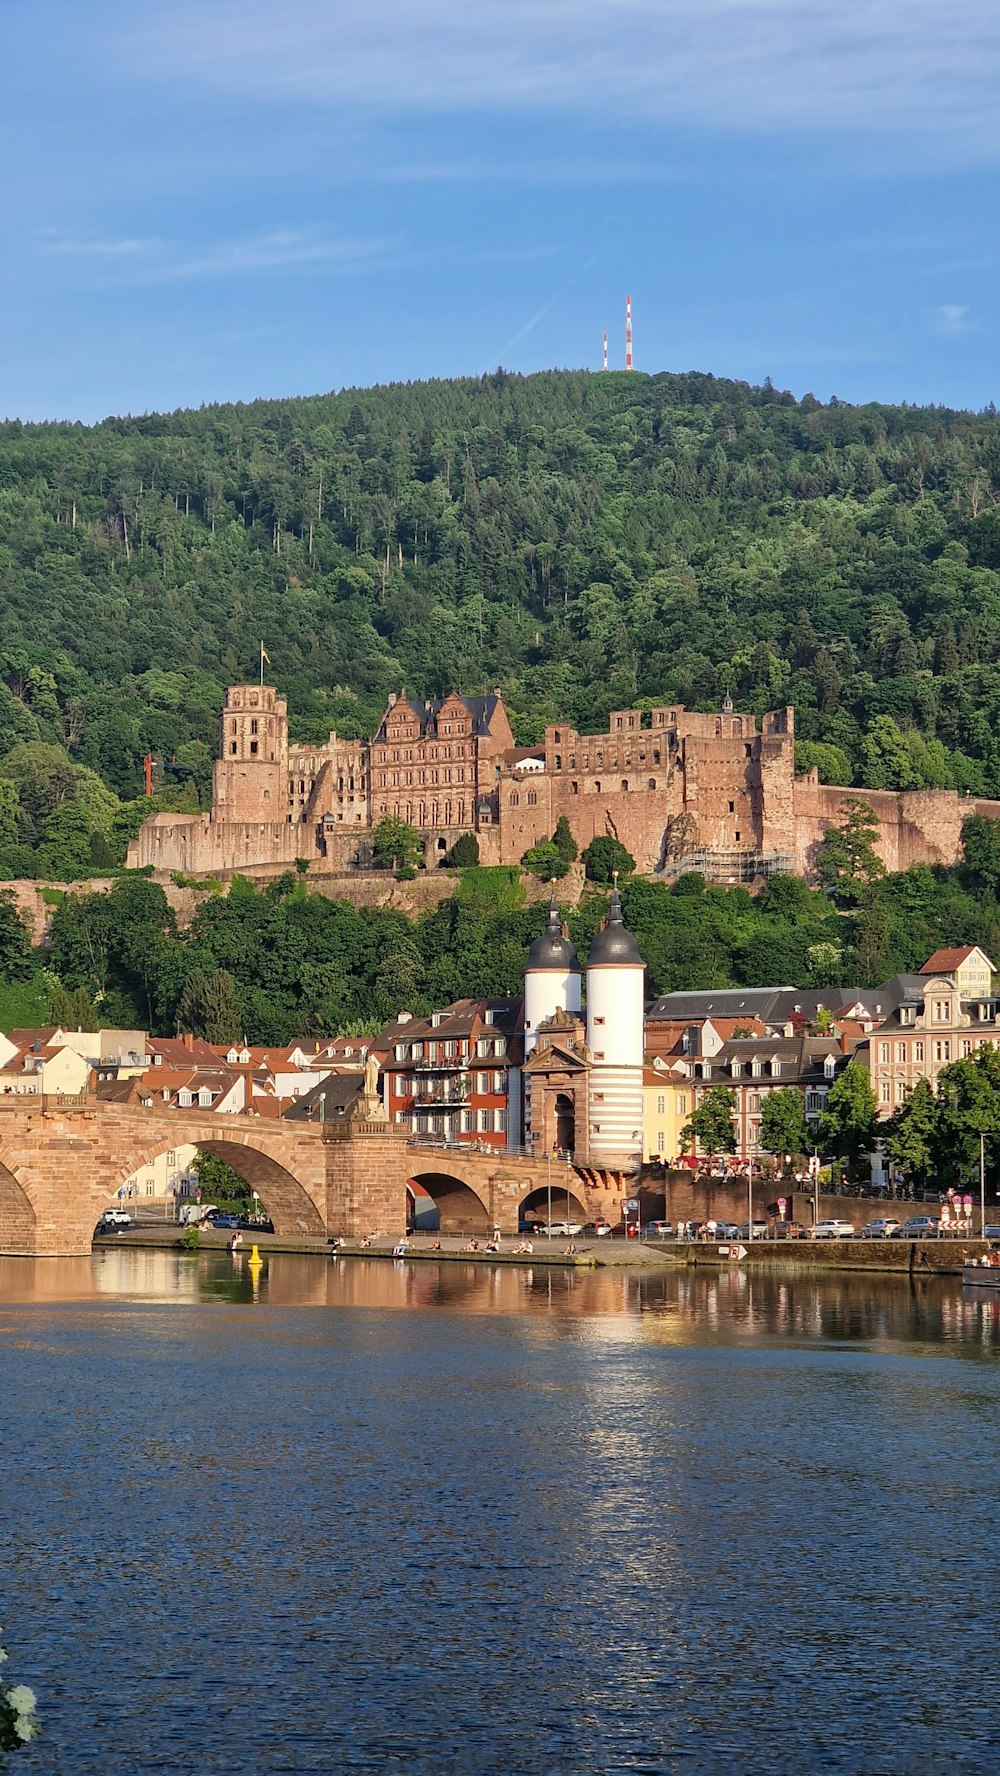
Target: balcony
(445, 1064)
(443, 1097)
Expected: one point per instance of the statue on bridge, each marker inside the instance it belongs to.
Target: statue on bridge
(371, 1077)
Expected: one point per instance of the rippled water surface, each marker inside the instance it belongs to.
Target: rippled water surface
(447, 1519)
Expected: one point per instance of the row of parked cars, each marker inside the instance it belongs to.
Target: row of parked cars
(882, 1227)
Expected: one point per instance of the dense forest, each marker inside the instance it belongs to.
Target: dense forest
(584, 541)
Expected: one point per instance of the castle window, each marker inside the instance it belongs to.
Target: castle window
(557, 736)
(253, 746)
(233, 746)
(558, 762)
(652, 783)
(736, 836)
(625, 784)
(514, 799)
(737, 728)
(656, 758)
(253, 726)
(232, 727)
(597, 787)
(732, 807)
(718, 727)
(749, 751)
(574, 789)
(532, 798)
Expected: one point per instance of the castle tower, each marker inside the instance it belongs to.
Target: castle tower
(616, 980)
(250, 775)
(552, 978)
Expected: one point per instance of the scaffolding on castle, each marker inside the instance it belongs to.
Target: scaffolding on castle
(728, 868)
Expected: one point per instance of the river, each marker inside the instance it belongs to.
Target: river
(377, 1517)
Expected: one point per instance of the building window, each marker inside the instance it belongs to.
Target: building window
(942, 1051)
(883, 1053)
(918, 1051)
(652, 783)
(940, 1011)
(901, 1051)
(661, 1104)
(884, 1095)
(531, 798)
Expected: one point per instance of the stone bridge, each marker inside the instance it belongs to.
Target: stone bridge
(63, 1161)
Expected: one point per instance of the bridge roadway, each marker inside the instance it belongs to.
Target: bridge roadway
(63, 1160)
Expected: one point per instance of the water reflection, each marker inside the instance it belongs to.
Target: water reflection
(472, 1519)
(619, 1305)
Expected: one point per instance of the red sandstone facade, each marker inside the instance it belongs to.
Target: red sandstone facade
(678, 789)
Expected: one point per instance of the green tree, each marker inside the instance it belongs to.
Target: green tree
(210, 1006)
(464, 853)
(783, 1126)
(830, 761)
(545, 861)
(846, 859)
(73, 1011)
(16, 959)
(968, 1094)
(711, 1122)
(981, 846)
(913, 1135)
(847, 1126)
(603, 857)
(220, 1183)
(564, 841)
(396, 844)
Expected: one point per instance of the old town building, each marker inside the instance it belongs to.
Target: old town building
(456, 1076)
(949, 1012)
(680, 789)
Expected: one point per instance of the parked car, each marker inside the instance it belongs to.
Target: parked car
(917, 1227)
(658, 1230)
(562, 1229)
(222, 1221)
(833, 1230)
(257, 1224)
(882, 1228)
(528, 1227)
(598, 1229)
(759, 1232)
(789, 1230)
(113, 1220)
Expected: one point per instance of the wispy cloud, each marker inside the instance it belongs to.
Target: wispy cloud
(875, 66)
(159, 261)
(952, 318)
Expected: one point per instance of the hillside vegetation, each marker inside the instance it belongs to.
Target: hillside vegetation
(584, 541)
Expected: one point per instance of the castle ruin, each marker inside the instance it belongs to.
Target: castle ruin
(680, 790)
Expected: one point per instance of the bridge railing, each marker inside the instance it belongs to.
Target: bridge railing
(476, 1148)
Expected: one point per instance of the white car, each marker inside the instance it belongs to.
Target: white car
(115, 1218)
(833, 1230)
(563, 1229)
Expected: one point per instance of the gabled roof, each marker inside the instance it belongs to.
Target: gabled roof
(946, 961)
(329, 1101)
(427, 710)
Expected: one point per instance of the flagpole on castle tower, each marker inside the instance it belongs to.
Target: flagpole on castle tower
(264, 655)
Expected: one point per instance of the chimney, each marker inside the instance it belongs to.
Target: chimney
(188, 1039)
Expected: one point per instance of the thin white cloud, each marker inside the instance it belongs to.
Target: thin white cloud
(876, 66)
(952, 318)
(160, 261)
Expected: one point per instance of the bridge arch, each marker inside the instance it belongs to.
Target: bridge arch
(460, 1207)
(285, 1198)
(17, 1216)
(566, 1204)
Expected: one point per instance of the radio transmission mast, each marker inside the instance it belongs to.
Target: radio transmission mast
(628, 332)
(605, 348)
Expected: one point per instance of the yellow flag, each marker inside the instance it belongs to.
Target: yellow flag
(264, 654)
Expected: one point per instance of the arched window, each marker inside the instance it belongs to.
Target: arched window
(515, 799)
(625, 785)
(652, 783)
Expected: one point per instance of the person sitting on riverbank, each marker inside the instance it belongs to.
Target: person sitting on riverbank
(473, 1246)
(525, 1249)
(492, 1245)
(401, 1248)
(571, 1251)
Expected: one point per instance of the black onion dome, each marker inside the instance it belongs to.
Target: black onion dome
(613, 942)
(552, 950)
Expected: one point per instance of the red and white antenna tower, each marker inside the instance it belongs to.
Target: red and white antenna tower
(628, 332)
(605, 348)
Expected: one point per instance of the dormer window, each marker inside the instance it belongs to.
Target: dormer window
(775, 1068)
(756, 1069)
(829, 1066)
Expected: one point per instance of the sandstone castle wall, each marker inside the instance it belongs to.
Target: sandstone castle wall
(671, 785)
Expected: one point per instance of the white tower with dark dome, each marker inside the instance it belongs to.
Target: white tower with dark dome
(616, 999)
(552, 978)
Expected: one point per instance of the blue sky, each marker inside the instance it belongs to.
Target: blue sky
(219, 199)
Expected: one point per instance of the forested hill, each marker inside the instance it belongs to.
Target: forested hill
(585, 541)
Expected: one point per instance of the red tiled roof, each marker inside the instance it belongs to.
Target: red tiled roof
(946, 961)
